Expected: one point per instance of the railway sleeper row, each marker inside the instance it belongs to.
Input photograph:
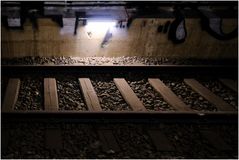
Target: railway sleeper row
(107, 139)
(91, 99)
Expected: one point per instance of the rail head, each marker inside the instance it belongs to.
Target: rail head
(227, 70)
(121, 117)
(121, 113)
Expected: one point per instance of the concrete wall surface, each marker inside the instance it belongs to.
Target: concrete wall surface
(141, 39)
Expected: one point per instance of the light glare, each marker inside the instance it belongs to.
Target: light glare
(99, 26)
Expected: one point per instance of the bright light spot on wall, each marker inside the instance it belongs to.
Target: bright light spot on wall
(99, 26)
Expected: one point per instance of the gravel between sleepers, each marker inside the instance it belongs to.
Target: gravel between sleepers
(108, 94)
(151, 99)
(188, 96)
(222, 91)
(30, 94)
(69, 94)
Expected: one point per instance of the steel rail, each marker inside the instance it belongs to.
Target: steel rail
(118, 114)
(219, 70)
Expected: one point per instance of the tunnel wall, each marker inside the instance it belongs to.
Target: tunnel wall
(141, 39)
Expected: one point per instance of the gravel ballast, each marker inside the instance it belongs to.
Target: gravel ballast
(188, 96)
(69, 94)
(219, 89)
(30, 94)
(151, 99)
(108, 94)
(123, 60)
(27, 140)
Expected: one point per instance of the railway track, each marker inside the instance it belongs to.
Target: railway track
(136, 106)
(168, 127)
